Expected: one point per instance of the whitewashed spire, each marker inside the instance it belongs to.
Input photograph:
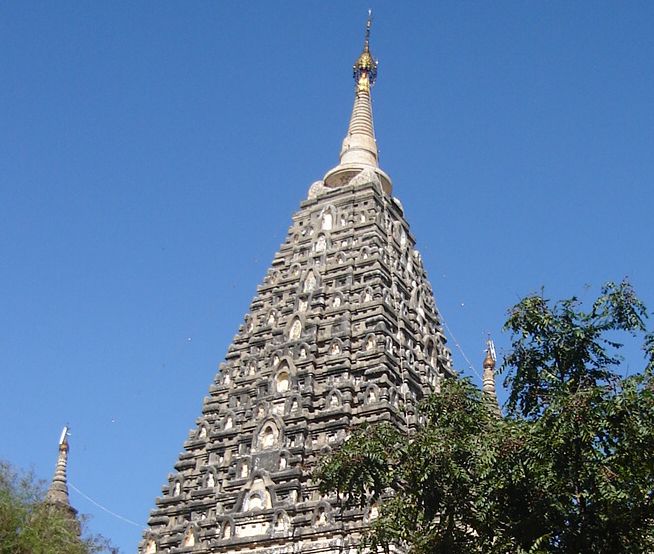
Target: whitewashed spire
(488, 379)
(359, 151)
(58, 492)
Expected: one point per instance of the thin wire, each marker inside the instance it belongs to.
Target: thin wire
(456, 343)
(103, 508)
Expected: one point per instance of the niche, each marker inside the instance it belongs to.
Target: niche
(281, 523)
(334, 400)
(296, 329)
(321, 244)
(189, 537)
(372, 394)
(268, 436)
(322, 515)
(258, 498)
(310, 282)
(335, 348)
(327, 220)
(282, 381)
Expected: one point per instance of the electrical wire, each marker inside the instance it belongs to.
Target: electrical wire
(103, 508)
(458, 346)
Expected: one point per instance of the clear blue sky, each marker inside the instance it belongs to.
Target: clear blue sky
(152, 153)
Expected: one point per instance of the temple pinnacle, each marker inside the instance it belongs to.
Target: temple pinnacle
(359, 151)
(57, 494)
(488, 386)
(365, 68)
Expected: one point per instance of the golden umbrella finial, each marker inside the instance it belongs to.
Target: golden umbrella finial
(365, 68)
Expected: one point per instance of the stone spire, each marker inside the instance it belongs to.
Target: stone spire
(342, 330)
(57, 494)
(488, 380)
(359, 151)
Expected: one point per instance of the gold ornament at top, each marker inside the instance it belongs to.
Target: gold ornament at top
(365, 68)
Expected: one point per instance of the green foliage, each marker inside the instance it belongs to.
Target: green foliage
(560, 349)
(28, 526)
(569, 470)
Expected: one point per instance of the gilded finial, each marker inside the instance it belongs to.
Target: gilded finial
(365, 68)
(359, 151)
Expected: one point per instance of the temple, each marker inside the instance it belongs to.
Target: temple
(343, 329)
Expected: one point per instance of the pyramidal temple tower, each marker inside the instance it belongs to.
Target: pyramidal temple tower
(342, 330)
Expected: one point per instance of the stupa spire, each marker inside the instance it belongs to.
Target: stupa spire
(58, 492)
(488, 379)
(359, 151)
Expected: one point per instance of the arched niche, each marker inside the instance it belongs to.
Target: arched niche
(334, 399)
(150, 546)
(271, 319)
(281, 523)
(370, 343)
(190, 536)
(431, 352)
(261, 409)
(335, 347)
(293, 405)
(393, 397)
(327, 218)
(268, 435)
(226, 526)
(256, 495)
(320, 244)
(372, 394)
(176, 486)
(283, 377)
(302, 303)
(301, 351)
(295, 269)
(322, 515)
(295, 329)
(310, 281)
(210, 479)
(228, 421)
(282, 381)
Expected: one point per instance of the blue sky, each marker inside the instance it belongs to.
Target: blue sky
(151, 155)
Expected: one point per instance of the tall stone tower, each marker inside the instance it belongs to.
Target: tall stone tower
(342, 330)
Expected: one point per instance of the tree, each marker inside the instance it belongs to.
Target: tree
(30, 526)
(568, 470)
